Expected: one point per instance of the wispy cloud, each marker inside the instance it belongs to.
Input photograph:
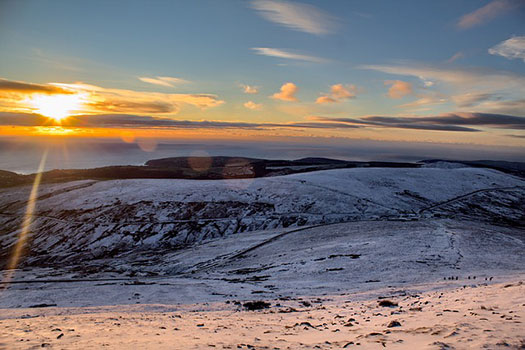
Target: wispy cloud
(458, 77)
(252, 105)
(425, 100)
(513, 48)
(163, 81)
(287, 93)
(398, 88)
(296, 16)
(280, 53)
(96, 99)
(471, 99)
(455, 57)
(469, 86)
(338, 93)
(23, 87)
(487, 13)
(249, 89)
(497, 105)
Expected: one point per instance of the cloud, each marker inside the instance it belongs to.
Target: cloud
(503, 90)
(462, 122)
(287, 93)
(163, 81)
(126, 106)
(513, 48)
(487, 13)
(425, 100)
(250, 89)
(252, 105)
(29, 88)
(459, 121)
(515, 107)
(126, 101)
(96, 99)
(471, 99)
(338, 92)
(149, 122)
(280, 53)
(398, 89)
(22, 119)
(325, 99)
(455, 57)
(462, 78)
(296, 16)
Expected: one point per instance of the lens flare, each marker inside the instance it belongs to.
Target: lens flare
(26, 224)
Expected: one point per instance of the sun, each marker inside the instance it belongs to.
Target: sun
(57, 106)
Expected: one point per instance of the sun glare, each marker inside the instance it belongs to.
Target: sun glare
(57, 107)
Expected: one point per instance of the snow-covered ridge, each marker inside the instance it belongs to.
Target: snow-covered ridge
(96, 219)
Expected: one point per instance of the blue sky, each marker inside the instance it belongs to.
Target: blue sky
(409, 59)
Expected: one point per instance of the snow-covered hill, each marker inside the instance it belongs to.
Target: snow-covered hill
(87, 220)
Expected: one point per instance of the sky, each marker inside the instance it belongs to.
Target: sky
(450, 71)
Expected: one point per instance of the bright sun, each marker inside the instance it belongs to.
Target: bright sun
(57, 107)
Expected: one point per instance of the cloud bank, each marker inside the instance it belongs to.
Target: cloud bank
(444, 122)
(451, 122)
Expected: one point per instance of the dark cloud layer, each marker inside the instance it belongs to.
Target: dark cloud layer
(464, 122)
(17, 86)
(136, 121)
(444, 122)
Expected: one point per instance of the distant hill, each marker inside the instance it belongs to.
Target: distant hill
(221, 167)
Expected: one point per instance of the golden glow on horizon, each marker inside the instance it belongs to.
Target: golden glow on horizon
(55, 130)
(164, 135)
(58, 106)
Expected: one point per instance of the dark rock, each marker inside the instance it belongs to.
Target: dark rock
(256, 305)
(387, 303)
(42, 305)
(394, 324)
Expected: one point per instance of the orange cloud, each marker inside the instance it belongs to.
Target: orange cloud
(338, 92)
(398, 88)
(96, 99)
(252, 105)
(325, 99)
(287, 93)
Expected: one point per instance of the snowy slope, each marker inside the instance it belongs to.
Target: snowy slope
(87, 220)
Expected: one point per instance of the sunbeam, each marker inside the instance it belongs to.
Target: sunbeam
(26, 224)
